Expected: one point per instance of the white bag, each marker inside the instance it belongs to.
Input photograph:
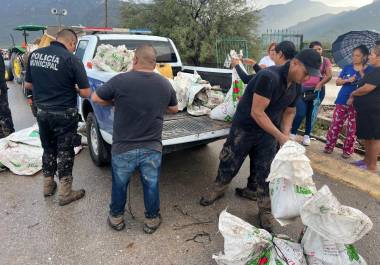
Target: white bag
(113, 59)
(245, 244)
(321, 251)
(291, 183)
(226, 110)
(287, 199)
(338, 223)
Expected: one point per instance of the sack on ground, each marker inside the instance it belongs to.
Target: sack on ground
(291, 183)
(324, 214)
(321, 251)
(245, 244)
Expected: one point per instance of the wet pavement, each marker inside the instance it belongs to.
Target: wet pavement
(35, 230)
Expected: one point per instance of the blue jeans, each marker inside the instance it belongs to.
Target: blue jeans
(304, 109)
(123, 166)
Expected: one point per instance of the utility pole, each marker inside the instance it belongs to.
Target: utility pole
(106, 13)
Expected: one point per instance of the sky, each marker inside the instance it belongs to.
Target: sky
(357, 3)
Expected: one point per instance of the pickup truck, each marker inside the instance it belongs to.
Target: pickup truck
(180, 130)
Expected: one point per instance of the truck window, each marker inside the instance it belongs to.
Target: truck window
(165, 52)
(81, 48)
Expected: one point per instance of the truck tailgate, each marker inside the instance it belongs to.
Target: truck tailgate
(183, 128)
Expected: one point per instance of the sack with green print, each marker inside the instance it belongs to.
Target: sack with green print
(245, 244)
(291, 183)
(332, 228)
(226, 110)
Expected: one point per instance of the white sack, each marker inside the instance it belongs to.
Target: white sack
(226, 110)
(245, 244)
(335, 222)
(287, 199)
(291, 183)
(292, 163)
(321, 251)
(113, 59)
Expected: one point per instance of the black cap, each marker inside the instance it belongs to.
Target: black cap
(311, 60)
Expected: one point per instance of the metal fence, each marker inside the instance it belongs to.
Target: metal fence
(224, 46)
(278, 36)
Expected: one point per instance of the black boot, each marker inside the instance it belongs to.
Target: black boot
(246, 193)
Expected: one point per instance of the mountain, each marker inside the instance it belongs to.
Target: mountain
(283, 16)
(328, 27)
(83, 12)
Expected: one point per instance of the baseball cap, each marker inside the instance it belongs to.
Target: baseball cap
(311, 60)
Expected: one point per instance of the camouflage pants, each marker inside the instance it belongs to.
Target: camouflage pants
(261, 148)
(58, 133)
(6, 123)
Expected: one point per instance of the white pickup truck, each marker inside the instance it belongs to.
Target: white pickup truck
(180, 130)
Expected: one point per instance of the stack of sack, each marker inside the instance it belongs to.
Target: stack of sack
(195, 94)
(113, 59)
(330, 228)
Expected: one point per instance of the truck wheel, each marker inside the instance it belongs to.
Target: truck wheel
(100, 151)
(17, 68)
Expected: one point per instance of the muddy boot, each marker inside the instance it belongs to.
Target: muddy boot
(265, 213)
(116, 222)
(50, 186)
(66, 194)
(246, 193)
(215, 192)
(152, 224)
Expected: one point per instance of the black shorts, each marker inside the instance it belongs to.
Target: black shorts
(368, 124)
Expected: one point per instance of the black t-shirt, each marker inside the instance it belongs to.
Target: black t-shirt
(54, 72)
(272, 84)
(372, 99)
(140, 100)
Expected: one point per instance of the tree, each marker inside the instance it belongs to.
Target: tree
(194, 25)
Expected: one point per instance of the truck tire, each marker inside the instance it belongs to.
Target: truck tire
(17, 67)
(100, 151)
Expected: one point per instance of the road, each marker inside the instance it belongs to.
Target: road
(35, 230)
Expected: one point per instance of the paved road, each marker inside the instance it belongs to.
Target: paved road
(35, 230)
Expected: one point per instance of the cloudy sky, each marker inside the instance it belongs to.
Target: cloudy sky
(358, 3)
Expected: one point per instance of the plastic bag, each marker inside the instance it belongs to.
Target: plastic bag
(335, 222)
(227, 109)
(287, 199)
(292, 163)
(291, 183)
(321, 251)
(244, 244)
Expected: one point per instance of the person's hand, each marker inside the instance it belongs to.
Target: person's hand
(350, 101)
(249, 61)
(283, 139)
(234, 62)
(352, 79)
(318, 87)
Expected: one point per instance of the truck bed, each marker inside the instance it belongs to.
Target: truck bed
(183, 128)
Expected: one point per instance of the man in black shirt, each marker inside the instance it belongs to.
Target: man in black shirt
(6, 123)
(141, 98)
(263, 120)
(56, 76)
(284, 52)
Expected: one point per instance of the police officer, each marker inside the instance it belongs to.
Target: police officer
(6, 123)
(56, 76)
